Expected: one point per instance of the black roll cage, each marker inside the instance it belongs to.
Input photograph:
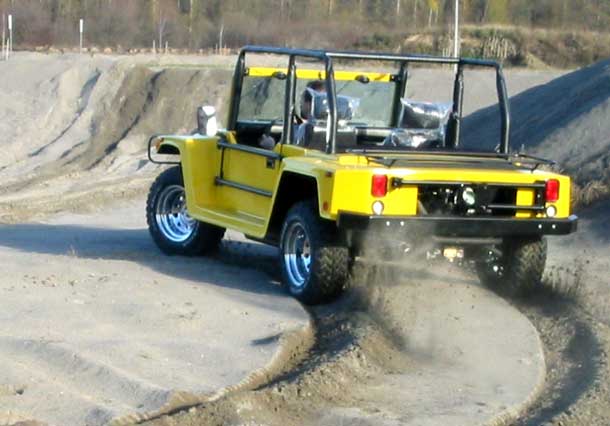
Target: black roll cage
(403, 60)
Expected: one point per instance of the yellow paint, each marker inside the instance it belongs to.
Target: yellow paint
(525, 197)
(320, 74)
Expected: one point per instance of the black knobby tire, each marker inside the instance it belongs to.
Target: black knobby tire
(519, 269)
(171, 228)
(329, 259)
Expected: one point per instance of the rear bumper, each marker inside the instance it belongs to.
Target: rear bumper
(459, 227)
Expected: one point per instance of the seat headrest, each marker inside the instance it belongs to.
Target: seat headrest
(346, 106)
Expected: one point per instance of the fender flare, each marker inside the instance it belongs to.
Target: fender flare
(163, 146)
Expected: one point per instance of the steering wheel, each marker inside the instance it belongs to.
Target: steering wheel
(267, 131)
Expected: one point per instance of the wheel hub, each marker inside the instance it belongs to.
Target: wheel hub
(171, 215)
(297, 254)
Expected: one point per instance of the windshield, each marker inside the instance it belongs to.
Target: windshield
(363, 104)
(262, 99)
(370, 104)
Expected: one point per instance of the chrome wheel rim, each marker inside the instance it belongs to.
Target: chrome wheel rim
(297, 255)
(171, 216)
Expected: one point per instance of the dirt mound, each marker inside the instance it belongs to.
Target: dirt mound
(99, 111)
(565, 120)
(70, 121)
(148, 102)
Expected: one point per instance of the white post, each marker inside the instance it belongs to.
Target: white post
(456, 33)
(456, 36)
(9, 49)
(3, 36)
(222, 30)
(81, 27)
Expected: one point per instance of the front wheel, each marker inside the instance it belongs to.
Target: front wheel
(169, 224)
(315, 265)
(517, 268)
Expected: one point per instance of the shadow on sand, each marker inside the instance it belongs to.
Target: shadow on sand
(244, 266)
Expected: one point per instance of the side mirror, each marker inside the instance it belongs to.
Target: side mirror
(206, 120)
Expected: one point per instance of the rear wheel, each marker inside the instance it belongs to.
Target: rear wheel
(169, 224)
(315, 265)
(517, 269)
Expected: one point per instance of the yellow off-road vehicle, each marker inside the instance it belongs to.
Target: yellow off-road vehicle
(332, 164)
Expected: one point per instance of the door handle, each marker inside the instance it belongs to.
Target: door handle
(270, 163)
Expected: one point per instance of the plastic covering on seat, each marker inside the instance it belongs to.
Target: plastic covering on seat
(421, 125)
(312, 134)
(346, 106)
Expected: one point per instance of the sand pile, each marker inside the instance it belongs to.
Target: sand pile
(567, 120)
(71, 113)
(75, 128)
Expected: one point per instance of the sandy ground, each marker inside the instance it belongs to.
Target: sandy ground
(587, 255)
(108, 327)
(98, 325)
(572, 317)
(461, 371)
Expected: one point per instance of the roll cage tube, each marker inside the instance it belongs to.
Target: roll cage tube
(327, 56)
(504, 110)
(399, 92)
(331, 132)
(238, 78)
(456, 114)
(289, 101)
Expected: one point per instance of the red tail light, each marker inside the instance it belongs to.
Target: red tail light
(379, 187)
(552, 190)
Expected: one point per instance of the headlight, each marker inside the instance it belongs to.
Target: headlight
(469, 197)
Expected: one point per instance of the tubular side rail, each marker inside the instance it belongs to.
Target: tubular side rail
(249, 149)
